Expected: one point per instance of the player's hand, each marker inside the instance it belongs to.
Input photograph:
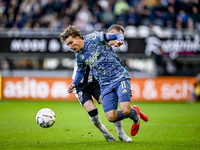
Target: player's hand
(99, 100)
(119, 43)
(70, 88)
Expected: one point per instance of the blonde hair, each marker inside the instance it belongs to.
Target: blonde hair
(116, 27)
(70, 31)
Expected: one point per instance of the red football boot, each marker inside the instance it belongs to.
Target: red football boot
(135, 129)
(140, 113)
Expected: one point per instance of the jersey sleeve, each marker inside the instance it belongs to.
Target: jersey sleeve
(80, 72)
(114, 36)
(102, 37)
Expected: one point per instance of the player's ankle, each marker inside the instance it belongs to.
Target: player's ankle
(137, 122)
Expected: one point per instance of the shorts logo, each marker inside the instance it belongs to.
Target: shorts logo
(124, 91)
(80, 96)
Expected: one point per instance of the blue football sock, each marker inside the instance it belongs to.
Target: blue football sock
(120, 116)
(133, 115)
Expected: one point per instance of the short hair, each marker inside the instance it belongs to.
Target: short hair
(70, 31)
(116, 27)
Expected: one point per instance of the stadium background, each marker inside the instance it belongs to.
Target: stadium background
(162, 47)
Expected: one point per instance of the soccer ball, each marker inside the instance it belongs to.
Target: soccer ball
(45, 118)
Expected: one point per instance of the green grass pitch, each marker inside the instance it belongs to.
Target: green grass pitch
(171, 126)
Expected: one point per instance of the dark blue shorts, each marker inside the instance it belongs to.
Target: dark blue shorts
(111, 93)
(85, 92)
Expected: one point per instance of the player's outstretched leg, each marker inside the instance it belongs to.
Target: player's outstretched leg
(133, 115)
(123, 137)
(136, 121)
(135, 128)
(97, 122)
(106, 134)
(140, 113)
(121, 134)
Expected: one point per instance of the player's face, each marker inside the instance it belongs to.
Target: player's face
(73, 43)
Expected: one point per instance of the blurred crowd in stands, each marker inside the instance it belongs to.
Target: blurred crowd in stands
(90, 15)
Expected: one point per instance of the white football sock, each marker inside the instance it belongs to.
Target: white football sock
(97, 122)
(118, 125)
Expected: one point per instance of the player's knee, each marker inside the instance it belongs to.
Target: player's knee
(111, 116)
(125, 107)
(126, 111)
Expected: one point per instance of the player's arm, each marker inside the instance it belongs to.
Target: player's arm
(114, 43)
(117, 37)
(78, 77)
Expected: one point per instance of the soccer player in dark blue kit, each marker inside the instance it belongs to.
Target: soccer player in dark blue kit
(89, 87)
(93, 50)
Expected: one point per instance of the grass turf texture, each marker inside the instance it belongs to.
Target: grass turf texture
(171, 126)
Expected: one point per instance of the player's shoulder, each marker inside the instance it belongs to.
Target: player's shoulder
(94, 35)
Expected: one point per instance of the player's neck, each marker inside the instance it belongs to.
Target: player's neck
(81, 44)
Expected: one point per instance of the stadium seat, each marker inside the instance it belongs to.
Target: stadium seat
(131, 31)
(143, 31)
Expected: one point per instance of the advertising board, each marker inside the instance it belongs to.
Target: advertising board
(143, 89)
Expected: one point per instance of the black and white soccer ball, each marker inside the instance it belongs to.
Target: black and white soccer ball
(45, 118)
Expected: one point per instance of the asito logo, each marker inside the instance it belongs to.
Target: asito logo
(33, 88)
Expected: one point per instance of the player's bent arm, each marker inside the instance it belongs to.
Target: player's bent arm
(70, 88)
(114, 36)
(80, 72)
(78, 77)
(115, 43)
